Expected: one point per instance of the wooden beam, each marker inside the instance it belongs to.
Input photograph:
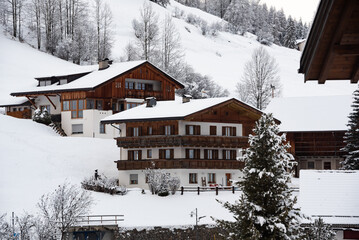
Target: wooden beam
(50, 101)
(328, 60)
(355, 74)
(346, 49)
(32, 103)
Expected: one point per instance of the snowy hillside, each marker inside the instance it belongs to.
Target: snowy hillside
(222, 57)
(34, 160)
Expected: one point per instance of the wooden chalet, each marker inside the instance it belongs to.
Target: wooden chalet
(332, 47)
(199, 141)
(110, 89)
(314, 128)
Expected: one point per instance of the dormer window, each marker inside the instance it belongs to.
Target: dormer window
(63, 81)
(45, 83)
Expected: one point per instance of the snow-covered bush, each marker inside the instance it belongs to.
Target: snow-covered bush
(192, 19)
(204, 27)
(161, 183)
(215, 28)
(5, 228)
(320, 231)
(178, 13)
(100, 184)
(174, 183)
(42, 116)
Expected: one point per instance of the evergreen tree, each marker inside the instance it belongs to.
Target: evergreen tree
(351, 137)
(320, 231)
(290, 34)
(266, 208)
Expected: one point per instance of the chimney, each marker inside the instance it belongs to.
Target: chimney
(103, 64)
(151, 102)
(186, 98)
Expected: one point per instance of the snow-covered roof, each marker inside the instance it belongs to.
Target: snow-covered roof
(330, 194)
(88, 81)
(173, 109)
(320, 113)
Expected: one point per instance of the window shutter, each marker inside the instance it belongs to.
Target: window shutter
(161, 153)
(139, 154)
(129, 132)
(223, 131)
(197, 130)
(205, 153)
(172, 153)
(130, 155)
(223, 154)
(187, 129)
(234, 131)
(197, 153)
(187, 153)
(172, 130)
(162, 130)
(213, 130)
(215, 154)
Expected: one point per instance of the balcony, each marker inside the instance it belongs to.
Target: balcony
(179, 164)
(134, 93)
(182, 141)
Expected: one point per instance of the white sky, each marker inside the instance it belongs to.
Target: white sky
(304, 9)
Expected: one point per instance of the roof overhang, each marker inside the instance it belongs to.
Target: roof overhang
(332, 48)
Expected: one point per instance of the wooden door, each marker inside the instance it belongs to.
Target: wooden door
(228, 179)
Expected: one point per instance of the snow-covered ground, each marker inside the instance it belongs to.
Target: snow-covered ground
(34, 160)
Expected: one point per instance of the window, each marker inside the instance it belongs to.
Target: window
(140, 86)
(166, 153)
(149, 131)
(134, 154)
(63, 81)
(136, 131)
(80, 110)
(43, 107)
(77, 128)
(228, 131)
(74, 109)
(65, 105)
(210, 154)
(212, 130)
(310, 165)
(131, 105)
(45, 83)
(193, 178)
(327, 165)
(129, 85)
(229, 154)
(99, 105)
(167, 130)
(102, 128)
(90, 104)
(77, 107)
(133, 178)
(193, 153)
(211, 178)
(149, 153)
(193, 130)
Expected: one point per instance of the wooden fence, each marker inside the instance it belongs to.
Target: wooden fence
(208, 189)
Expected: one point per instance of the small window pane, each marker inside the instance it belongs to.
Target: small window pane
(133, 178)
(211, 178)
(73, 104)
(74, 114)
(90, 104)
(149, 153)
(63, 81)
(80, 114)
(168, 153)
(193, 178)
(66, 105)
(310, 165)
(81, 104)
(48, 83)
(102, 128)
(99, 104)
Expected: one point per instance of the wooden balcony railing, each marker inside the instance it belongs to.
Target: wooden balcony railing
(135, 93)
(26, 113)
(183, 141)
(178, 164)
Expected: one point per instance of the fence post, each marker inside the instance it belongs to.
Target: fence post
(198, 190)
(182, 190)
(216, 190)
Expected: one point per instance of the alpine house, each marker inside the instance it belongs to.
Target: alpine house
(199, 141)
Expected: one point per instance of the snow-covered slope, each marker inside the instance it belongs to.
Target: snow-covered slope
(34, 160)
(222, 57)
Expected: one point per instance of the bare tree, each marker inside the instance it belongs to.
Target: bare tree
(103, 19)
(5, 228)
(146, 31)
(24, 224)
(36, 8)
(129, 53)
(171, 50)
(260, 79)
(61, 208)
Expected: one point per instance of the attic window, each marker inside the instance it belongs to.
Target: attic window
(63, 81)
(45, 83)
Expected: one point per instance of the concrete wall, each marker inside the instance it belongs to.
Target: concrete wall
(91, 124)
(182, 174)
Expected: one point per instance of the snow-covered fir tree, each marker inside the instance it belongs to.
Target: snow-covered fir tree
(351, 137)
(320, 231)
(266, 208)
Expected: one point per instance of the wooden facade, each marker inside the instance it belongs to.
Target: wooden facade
(332, 48)
(25, 113)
